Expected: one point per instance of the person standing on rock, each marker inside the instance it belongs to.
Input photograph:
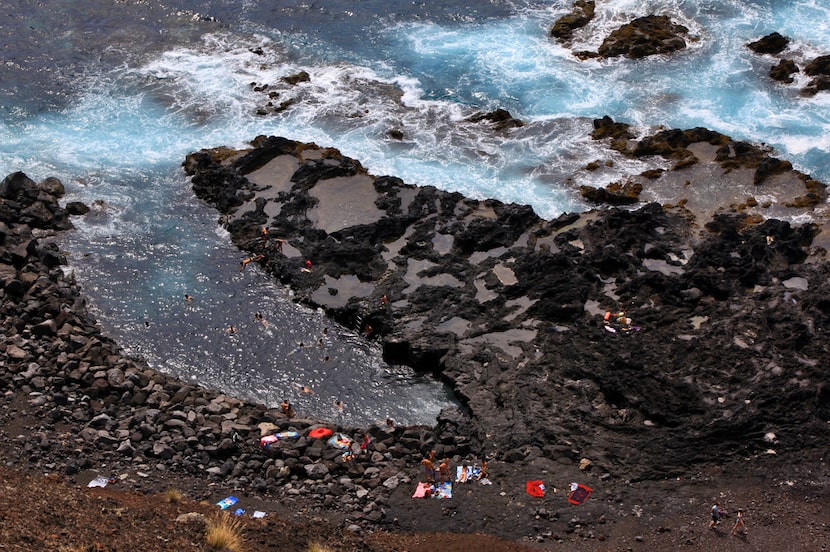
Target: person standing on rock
(444, 471)
(429, 470)
(278, 243)
(367, 446)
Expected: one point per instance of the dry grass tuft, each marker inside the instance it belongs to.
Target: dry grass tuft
(173, 496)
(317, 547)
(225, 532)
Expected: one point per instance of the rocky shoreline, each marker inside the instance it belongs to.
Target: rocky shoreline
(75, 405)
(727, 357)
(721, 363)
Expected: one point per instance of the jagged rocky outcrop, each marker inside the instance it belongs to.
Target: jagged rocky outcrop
(818, 68)
(581, 15)
(499, 119)
(784, 71)
(773, 43)
(644, 36)
(509, 308)
(751, 165)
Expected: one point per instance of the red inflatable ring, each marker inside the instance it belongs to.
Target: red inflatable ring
(320, 432)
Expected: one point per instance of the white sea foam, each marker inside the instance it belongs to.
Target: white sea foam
(798, 145)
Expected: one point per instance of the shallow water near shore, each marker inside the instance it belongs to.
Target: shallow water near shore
(170, 290)
(110, 97)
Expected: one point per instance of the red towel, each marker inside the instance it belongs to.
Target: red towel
(536, 488)
(579, 495)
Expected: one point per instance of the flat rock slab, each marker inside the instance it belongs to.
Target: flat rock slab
(343, 202)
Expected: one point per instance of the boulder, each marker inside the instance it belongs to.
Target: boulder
(316, 471)
(500, 119)
(773, 43)
(581, 15)
(644, 36)
(784, 70)
(819, 69)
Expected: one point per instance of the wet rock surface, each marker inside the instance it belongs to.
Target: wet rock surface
(641, 37)
(644, 36)
(581, 15)
(777, 45)
(773, 43)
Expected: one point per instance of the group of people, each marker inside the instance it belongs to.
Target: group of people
(275, 244)
(442, 474)
(231, 329)
(718, 513)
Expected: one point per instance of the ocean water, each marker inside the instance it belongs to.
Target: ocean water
(110, 95)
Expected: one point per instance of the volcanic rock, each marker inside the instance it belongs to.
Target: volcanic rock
(773, 43)
(508, 307)
(644, 36)
(784, 70)
(501, 119)
(582, 14)
(721, 345)
(819, 69)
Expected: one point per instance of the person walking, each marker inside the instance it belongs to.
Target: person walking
(739, 523)
(717, 513)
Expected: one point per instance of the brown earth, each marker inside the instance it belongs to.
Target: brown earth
(48, 512)
(788, 509)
